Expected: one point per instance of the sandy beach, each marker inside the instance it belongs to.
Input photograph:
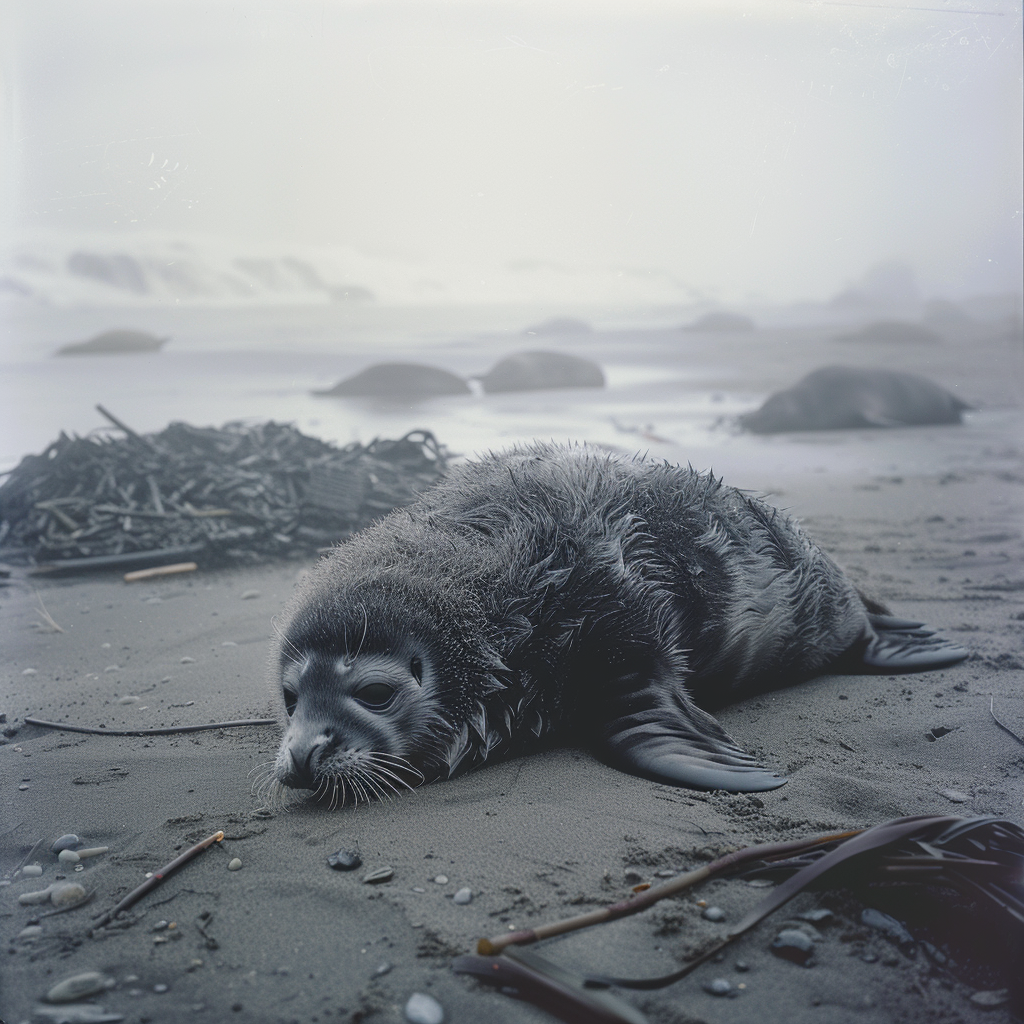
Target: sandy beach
(928, 520)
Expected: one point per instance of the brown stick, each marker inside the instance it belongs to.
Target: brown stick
(171, 730)
(160, 570)
(641, 901)
(156, 878)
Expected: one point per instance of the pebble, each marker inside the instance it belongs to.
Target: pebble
(160, 989)
(742, 966)
(713, 914)
(423, 1009)
(187, 660)
(379, 875)
(78, 986)
(128, 699)
(66, 842)
(68, 857)
(344, 860)
(418, 888)
(818, 916)
(228, 643)
(235, 864)
(92, 851)
(384, 968)
(159, 926)
(888, 926)
(760, 883)
(32, 931)
(955, 796)
(793, 944)
(463, 896)
(632, 875)
(991, 998)
(718, 987)
(665, 873)
(441, 879)
(112, 668)
(23, 786)
(31, 870)
(28, 672)
(28, 898)
(248, 595)
(66, 893)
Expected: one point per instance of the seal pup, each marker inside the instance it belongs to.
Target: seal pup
(563, 593)
(845, 398)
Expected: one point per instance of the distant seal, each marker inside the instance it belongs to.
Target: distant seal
(844, 398)
(399, 381)
(554, 593)
(540, 369)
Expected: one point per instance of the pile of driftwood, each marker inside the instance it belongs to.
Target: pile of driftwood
(242, 493)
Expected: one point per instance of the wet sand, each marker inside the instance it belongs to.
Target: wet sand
(539, 838)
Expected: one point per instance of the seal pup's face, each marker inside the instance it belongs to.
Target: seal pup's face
(357, 725)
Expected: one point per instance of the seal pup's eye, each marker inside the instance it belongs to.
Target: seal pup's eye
(416, 667)
(291, 698)
(375, 696)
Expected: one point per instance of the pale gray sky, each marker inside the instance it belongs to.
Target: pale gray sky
(771, 147)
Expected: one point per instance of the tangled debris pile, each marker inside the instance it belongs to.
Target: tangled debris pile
(242, 493)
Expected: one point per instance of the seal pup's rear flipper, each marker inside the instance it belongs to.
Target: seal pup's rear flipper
(664, 736)
(900, 645)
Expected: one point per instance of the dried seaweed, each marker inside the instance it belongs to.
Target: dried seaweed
(240, 493)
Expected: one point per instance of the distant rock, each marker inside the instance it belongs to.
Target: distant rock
(118, 270)
(560, 325)
(893, 332)
(400, 381)
(843, 398)
(114, 341)
(539, 370)
(722, 322)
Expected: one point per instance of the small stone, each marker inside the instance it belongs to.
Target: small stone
(194, 965)
(23, 786)
(78, 986)
(888, 926)
(760, 883)
(228, 643)
(160, 989)
(66, 842)
(235, 864)
(665, 873)
(418, 888)
(112, 668)
(793, 944)
(441, 879)
(128, 699)
(817, 916)
(632, 876)
(187, 660)
(379, 875)
(423, 1009)
(713, 914)
(31, 870)
(28, 672)
(344, 860)
(463, 896)
(991, 998)
(384, 968)
(26, 899)
(159, 926)
(718, 987)
(742, 966)
(248, 595)
(92, 851)
(68, 857)
(66, 893)
(954, 796)
(32, 931)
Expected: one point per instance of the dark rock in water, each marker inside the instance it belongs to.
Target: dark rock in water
(561, 325)
(66, 842)
(793, 944)
(844, 398)
(889, 927)
(344, 860)
(893, 332)
(399, 380)
(115, 341)
(722, 323)
(539, 369)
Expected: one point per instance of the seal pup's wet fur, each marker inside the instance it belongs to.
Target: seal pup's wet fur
(551, 593)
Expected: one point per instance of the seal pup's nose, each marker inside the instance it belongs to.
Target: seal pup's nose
(304, 759)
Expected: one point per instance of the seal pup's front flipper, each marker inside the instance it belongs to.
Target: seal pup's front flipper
(659, 733)
(900, 645)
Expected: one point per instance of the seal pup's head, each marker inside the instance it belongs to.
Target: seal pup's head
(382, 672)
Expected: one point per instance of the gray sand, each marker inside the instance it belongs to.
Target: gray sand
(535, 839)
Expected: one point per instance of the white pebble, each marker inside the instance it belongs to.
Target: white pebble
(463, 896)
(248, 595)
(78, 986)
(31, 870)
(423, 1009)
(129, 699)
(228, 643)
(187, 660)
(160, 989)
(234, 864)
(105, 647)
(441, 879)
(28, 672)
(66, 893)
(93, 851)
(112, 668)
(28, 898)
(23, 786)
(954, 796)
(68, 857)
(33, 931)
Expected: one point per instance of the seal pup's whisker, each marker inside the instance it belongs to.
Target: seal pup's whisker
(371, 783)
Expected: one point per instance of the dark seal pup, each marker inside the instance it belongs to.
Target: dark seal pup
(553, 592)
(845, 398)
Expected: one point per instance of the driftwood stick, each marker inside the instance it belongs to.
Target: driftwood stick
(646, 898)
(160, 570)
(145, 442)
(167, 731)
(156, 878)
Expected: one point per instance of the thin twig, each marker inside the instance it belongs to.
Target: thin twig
(156, 878)
(1005, 728)
(169, 731)
(45, 615)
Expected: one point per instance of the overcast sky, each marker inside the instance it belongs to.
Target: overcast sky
(773, 148)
